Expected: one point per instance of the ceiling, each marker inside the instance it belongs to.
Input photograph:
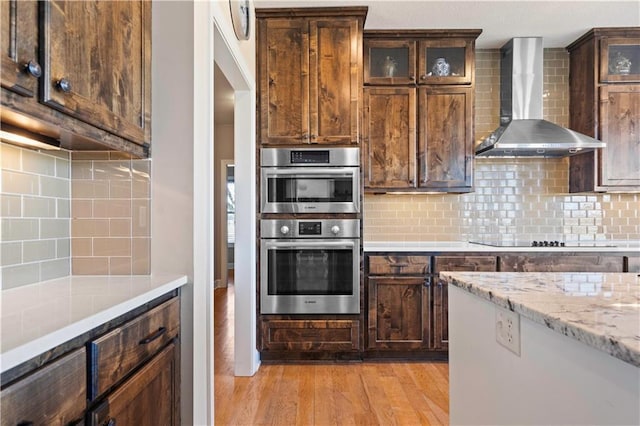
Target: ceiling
(558, 22)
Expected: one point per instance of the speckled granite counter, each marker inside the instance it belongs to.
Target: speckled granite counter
(38, 317)
(601, 310)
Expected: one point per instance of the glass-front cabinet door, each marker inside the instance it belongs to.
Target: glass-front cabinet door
(445, 61)
(389, 62)
(620, 60)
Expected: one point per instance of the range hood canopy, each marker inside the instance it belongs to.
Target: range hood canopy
(522, 130)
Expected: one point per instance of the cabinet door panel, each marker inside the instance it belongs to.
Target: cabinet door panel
(446, 138)
(283, 66)
(334, 80)
(619, 118)
(310, 335)
(441, 290)
(399, 313)
(389, 135)
(148, 398)
(53, 395)
(102, 50)
(19, 42)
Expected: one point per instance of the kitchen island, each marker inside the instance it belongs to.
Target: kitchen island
(571, 352)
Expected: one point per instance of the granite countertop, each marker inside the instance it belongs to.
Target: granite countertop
(601, 310)
(38, 317)
(461, 246)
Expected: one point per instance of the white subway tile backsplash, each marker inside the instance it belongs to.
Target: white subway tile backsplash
(54, 187)
(37, 250)
(20, 229)
(54, 228)
(19, 183)
(54, 269)
(38, 163)
(63, 248)
(19, 275)
(10, 253)
(11, 205)
(38, 207)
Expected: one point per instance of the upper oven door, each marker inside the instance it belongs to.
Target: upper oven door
(310, 190)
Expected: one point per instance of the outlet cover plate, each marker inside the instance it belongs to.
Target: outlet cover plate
(508, 330)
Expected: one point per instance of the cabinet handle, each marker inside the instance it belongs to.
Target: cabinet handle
(33, 68)
(427, 282)
(25, 423)
(412, 77)
(153, 337)
(110, 422)
(64, 85)
(423, 77)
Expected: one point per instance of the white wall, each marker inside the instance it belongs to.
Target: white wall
(555, 380)
(182, 173)
(223, 150)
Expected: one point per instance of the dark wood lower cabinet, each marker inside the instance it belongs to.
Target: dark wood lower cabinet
(441, 290)
(310, 335)
(52, 395)
(399, 313)
(561, 263)
(149, 397)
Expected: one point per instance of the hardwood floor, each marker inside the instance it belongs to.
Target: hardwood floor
(367, 393)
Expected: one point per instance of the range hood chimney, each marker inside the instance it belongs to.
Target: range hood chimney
(522, 130)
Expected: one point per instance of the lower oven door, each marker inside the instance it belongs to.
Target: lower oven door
(310, 277)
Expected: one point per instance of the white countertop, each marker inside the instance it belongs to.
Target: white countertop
(601, 310)
(460, 246)
(38, 317)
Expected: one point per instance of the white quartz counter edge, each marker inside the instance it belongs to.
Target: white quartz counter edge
(559, 316)
(459, 246)
(81, 304)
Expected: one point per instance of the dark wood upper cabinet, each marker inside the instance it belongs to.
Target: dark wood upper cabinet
(309, 74)
(19, 41)
(97, 63)
(441, 158)
(445, 155)
(446, 61)
(388, 62)
(604, 102)
(389, 136)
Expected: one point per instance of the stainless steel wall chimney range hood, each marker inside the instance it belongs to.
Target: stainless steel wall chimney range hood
(522, 130)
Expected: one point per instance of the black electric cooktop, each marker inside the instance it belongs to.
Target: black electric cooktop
(544, 243)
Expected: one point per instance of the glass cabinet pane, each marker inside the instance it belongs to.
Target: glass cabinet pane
(444, 62)
(620, 60)
(389, 62)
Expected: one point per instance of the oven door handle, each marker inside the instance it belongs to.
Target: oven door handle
(309, 172)
(310, 245)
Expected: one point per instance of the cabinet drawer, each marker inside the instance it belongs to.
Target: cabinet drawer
(556, 263)
(399, 265)
(465, 263)
(310, 335)
(117, 353)
(149, 397)
(53, 395)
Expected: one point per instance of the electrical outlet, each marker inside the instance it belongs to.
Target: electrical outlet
(508, 330)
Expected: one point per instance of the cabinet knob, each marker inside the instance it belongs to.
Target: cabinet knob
(423, 77)
(33, 68)
(412, 77)
(427, 282)
(64, 85)
(110, 422)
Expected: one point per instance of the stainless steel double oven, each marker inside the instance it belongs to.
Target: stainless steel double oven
(310, 231)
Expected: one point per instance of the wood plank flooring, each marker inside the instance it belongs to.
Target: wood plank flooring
(367, 393)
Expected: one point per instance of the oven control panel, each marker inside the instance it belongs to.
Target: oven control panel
(322, 228)
(309, 228)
